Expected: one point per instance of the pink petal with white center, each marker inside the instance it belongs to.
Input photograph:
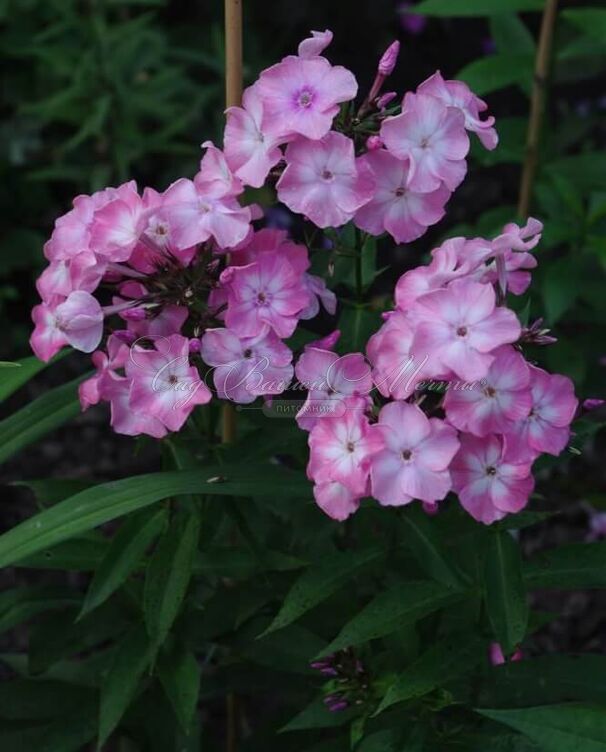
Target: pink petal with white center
(336, 500)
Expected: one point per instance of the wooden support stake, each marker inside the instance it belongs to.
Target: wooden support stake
(537, 107)
(233, 96)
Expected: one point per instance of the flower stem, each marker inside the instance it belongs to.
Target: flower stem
(537, 107)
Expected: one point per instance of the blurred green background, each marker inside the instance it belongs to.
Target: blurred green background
(98, 91)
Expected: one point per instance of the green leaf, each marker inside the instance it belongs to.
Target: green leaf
(81, 554)
(317, 716)
(68, 733)
(592, 21)
(168, 574)
(454, 8)
(439, 665)
(570, 567)
(38, 418)
(558, 728)
(585, 170)
(22, 699)
(392, 609)
(132, 657)
(494, 72)
(180, 677)
(545, 679)
(22, 371)
(511, 35)
(427, 546)
(504, 591)
(126, 549)
(357, 324)
(105, 502)
(17, 605)
(560, 288)
(319, 582)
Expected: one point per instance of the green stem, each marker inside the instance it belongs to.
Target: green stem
(358, 266)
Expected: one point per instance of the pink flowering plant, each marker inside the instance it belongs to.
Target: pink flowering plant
(353, 542)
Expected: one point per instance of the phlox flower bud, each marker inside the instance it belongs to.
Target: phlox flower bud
(389, 59)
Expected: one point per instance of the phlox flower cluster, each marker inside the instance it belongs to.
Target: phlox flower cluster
(177, 292)
(495, 414)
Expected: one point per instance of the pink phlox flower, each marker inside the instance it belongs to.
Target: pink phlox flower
(449, 261)
(215, 178)
(547, 426)
(396, 208)
(126, 419)
(303, 95)
(433, 137)
(494, 404)
(273, 242)
(458, 94)
(77, 321)
(341, 449)
(319, 295)
(326, 343)
(169, 321)
(414, 463)
(336, 500)
(93, 390)
(458, 327)
(330, 379)
(193, 217)
(395, 372)
(116, 226)
(324, 181)
(315, 44)
(164, 384)
(490, 484)
(250, 148)
(81, 271)
(266, 293)
(244, 368)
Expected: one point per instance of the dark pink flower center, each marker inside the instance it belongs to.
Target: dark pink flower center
(248, 353)
(327, 175)
(491, 470)
(401, 191)
(406, 455)
(462, 331)
(490, 391)
(351, 447)
(304, 98)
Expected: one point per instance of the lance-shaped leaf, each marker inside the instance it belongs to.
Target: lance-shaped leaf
(439, 665)
(574, 566)
(133, 655)
(180, 677)
(401, 604)
(504, 591)
(558, 728)
(38, 418)
(319, 582)
(126, 549)
(105, 502)
(453, 8)
(168, 575)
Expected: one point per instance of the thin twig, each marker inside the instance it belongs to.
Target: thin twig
(537, 106)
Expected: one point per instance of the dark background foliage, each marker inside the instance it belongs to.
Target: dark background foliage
(96, 92)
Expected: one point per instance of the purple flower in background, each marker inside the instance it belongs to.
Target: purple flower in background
(410, 22)
(488, 46)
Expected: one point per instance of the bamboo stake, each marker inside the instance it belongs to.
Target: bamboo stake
(537, 106)
(233, 97)
(233, 52)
